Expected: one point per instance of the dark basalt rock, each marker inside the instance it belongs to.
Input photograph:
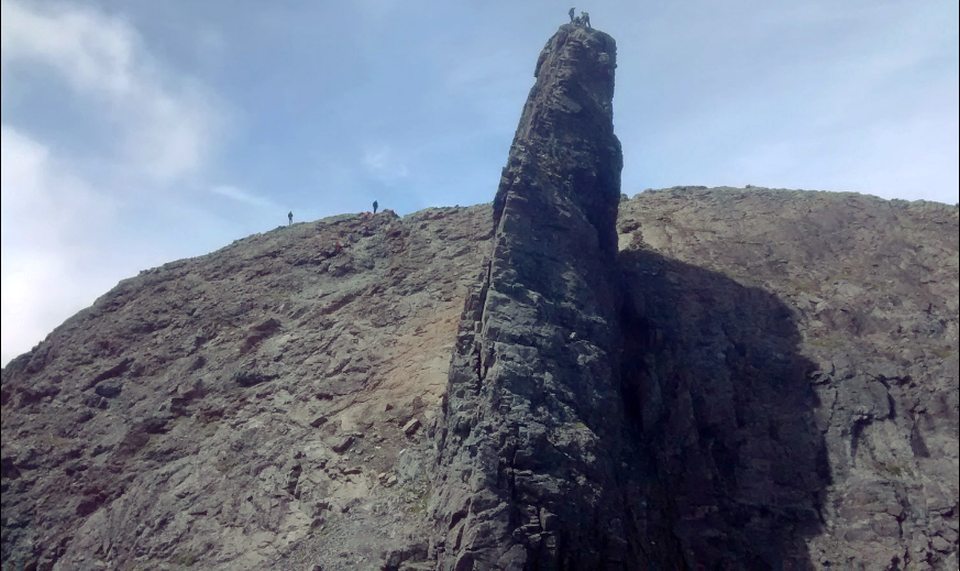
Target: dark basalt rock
(249, 378)
(530, 442)
(108, 389)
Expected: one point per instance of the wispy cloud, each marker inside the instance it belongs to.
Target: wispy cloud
(166, 123)
(243, 196)
(63, 240)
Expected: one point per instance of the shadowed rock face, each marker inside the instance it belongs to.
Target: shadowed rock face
(529, 449)
(703, 379)
(719, 393)
(793, 359)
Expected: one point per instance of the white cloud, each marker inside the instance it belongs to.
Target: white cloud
(45, 204)
(167, 123)
(65, 238)
(46, 226)
(243, 196)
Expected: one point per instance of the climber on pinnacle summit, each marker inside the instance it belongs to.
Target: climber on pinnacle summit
(290, 218)
(585, 19)
(375, 206)
(572, 12)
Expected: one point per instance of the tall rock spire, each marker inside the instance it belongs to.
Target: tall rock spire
(528, 443)
(564, 145)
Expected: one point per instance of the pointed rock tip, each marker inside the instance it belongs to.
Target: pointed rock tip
(584, 47)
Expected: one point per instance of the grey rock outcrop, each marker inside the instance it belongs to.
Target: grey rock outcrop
(529, 446)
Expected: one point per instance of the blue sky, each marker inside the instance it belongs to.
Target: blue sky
(138, 132)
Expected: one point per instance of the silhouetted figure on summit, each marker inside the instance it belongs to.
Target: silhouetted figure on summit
(572, 12)
(375, 206)
(585, 19)
(290, 218)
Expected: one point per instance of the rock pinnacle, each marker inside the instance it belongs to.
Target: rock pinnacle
(525, 482)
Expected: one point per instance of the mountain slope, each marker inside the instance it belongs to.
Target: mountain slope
(219, 409)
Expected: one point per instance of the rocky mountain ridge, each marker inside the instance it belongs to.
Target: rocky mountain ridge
(566, 379)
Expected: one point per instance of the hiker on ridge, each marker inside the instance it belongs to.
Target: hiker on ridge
(572, 12)
(375, 206)
(290, 218)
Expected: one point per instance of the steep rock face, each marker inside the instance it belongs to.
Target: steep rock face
(250, 409)
(793, 359)
(529, 446)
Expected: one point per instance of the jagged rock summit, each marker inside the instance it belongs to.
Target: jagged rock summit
(735, 379)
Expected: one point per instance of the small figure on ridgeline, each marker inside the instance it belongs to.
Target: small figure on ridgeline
(375, 206)
(290, 218)
(572, 12)
(585, 19)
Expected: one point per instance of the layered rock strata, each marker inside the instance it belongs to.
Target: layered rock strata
(529, 445)
(254, 408)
